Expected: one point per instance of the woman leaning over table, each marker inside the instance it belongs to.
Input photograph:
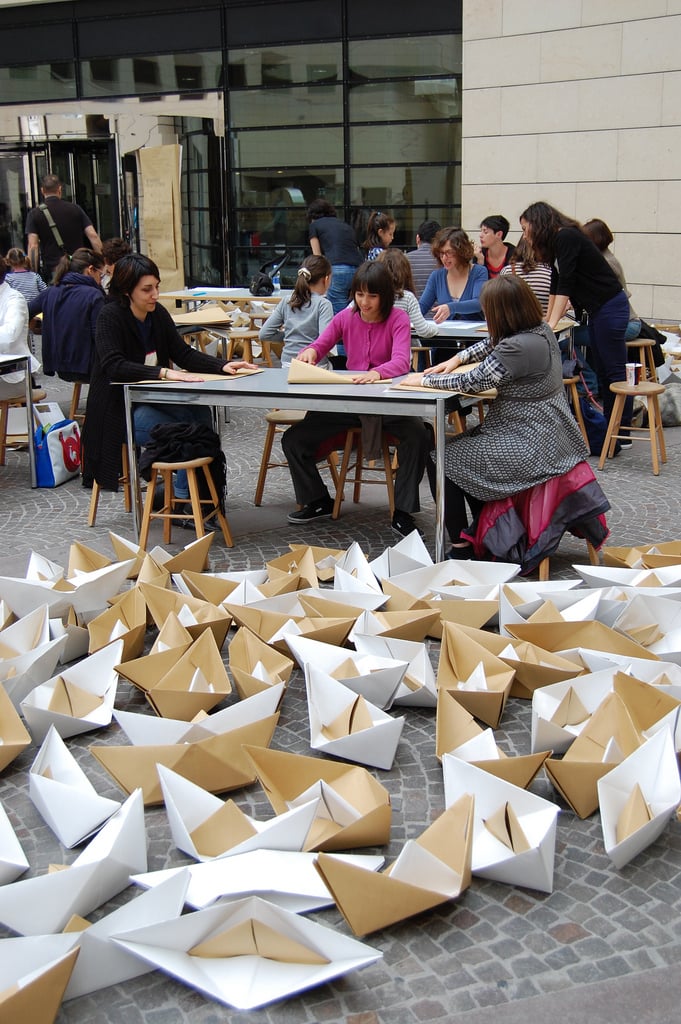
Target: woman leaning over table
(135, 340)
(587, 281)
(529, 434)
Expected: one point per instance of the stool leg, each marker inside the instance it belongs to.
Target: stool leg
(650, 361)
(342, 473)
(125, 478)
(264, 463)
(94, 502)
(544, 569)
(195, 500)
(359, 470)
(612, 431)
(168, 504)
(4, 415)
(593, 554)
(222, 519)
(148, 507)
(659, 428)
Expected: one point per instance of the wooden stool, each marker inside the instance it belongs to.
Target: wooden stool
(246, 339)
(14, 403)
(123, 479)
(75, 401)
(573, 399)
(458, 421)
(543, 567)
(164, 471)
(277, 422)
(650, 391)
(645, 348)
(353, 439)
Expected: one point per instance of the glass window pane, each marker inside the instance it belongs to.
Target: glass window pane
(285, 65)
(295, 147)
(405, 143)
(410, 100)
(133, 76)
(258, 188)
(56, 81)
(404, 58)
(413, 186)
(304, 105)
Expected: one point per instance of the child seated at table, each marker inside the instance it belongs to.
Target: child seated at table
(377, 339)
(300, 319)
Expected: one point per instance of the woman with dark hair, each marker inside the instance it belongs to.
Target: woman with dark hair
(529, 435)
(378, 344)
(300, 319)
(334, 239)
(453, 291)
(136, 339)
(533, 272)
(70, 308)
(586, 280)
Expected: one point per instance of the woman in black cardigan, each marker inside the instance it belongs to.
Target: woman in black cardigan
(136, 339)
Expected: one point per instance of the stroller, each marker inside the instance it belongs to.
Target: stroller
(262, 283)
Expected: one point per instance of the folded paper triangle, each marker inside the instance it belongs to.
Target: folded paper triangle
(305, 373)
(255, 938)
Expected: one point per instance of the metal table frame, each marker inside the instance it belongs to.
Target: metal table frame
(270, 389)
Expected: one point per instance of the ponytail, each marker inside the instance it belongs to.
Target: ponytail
(311, 270)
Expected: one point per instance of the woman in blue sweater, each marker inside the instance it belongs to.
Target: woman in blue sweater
(453, 291)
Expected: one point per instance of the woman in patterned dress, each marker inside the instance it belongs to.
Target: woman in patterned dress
(529, 434)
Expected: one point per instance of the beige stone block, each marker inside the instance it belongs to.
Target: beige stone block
(649, 153)
(671, 97)
(653, 43)
(599, 12)
(625, 206)
(482, 19)
(668, 206)
(662, 254)
(539, 108)
(642, 297)
(666, 304)
(581, 53)
(481, 112)
(528, 16)
(482, 158)
(577, 156)
(632, 101)
(502, 61)
(511, 199)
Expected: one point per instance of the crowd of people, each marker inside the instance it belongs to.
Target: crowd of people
(102, 323)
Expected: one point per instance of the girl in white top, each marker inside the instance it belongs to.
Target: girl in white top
(535, 274)
(13, 334)
(400, 270)
(300, 320)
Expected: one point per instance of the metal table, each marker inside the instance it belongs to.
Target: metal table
(270, 389)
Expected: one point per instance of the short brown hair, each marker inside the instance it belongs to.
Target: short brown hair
(510, 306)
(459, 241)
(599, 233)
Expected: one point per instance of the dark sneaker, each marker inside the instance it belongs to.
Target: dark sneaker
(321, 509)
(626, 444)
(402, 524)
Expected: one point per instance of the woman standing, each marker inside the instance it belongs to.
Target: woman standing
(334, 239)
(587, 281)
(529, 434)
(136, 339)
(602, 237)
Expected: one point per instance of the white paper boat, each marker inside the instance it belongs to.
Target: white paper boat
(417, 688)
(13, 860)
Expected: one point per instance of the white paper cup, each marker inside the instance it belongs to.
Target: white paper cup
(633, 371)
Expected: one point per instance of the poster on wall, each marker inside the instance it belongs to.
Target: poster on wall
(162, 212)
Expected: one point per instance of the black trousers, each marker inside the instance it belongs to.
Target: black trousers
(301, 443)
(456, 514)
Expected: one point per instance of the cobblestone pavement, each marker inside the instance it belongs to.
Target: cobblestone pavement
(605, 945)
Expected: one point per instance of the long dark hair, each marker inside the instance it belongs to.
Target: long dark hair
(127, 274)
(374, 278)
(545, 222)
(377, 222)
(311, 270)
(78, 262)
(400, 270)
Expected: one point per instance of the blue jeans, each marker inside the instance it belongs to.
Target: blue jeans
(607, 327)
(339, 292)
(147, 416)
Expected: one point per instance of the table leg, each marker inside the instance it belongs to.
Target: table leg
(132, 458)
(30, 423)
(440, 417)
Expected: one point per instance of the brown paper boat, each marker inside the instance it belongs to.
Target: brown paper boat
(13, 735)
(247, 651)
(38, 1000)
